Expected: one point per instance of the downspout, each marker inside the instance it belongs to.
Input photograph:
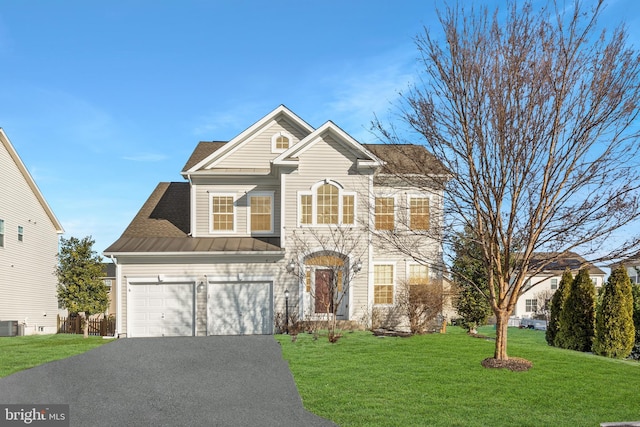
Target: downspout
(192, 210)
(118, 297)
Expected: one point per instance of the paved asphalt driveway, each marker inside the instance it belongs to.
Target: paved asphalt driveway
(182, 381)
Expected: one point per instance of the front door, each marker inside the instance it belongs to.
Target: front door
(323, 291)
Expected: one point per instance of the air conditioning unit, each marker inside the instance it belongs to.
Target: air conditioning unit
(8, 328)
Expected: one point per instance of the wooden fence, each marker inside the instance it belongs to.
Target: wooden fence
(99, 327)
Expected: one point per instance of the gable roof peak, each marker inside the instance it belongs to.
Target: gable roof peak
(238, 140)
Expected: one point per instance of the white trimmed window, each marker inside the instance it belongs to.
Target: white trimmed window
(222, 213)
(20, 233)
(385, 213)
(383, 284)
(326, 204)
(1, 233)
(530, 305)
(418, 274)
(260, 212)
(554, 284)
(280, 142)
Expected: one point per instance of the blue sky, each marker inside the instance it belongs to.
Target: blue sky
(103, 100)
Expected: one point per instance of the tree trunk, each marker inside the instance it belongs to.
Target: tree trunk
(85, 324)
(502, 323)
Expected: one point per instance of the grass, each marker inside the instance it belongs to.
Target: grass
(19, 353)
(437, 380)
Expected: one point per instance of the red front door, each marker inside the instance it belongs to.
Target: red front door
(323, 297)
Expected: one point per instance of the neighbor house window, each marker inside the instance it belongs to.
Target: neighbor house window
(419, 213)
(595, 281)
(383, 284)
(554, 284)
(327, 203)
(385, 219)
(530, 305)
(20, 233)
(222, 213)
(418, 274)
(107, 283)
(280, 142)
(261, 216)
(1, 233)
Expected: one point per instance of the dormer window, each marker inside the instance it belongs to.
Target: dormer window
(280, 142)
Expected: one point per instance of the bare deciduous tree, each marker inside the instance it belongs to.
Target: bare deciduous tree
(326, 261)
(534, 115)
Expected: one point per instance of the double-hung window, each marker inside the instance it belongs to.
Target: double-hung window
(1, 233)
(419, 213)
(222, 213)
(261, 213)
(418, 274)
(383, 284)
(530, 305)
(20, 233)
(385, 213)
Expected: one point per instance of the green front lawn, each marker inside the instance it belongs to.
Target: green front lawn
(437, 380)
(19, 353)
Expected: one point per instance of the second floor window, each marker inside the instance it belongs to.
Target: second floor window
(419, 213)
(385, 218)
(261, 213)
(222, 213)
(530, 305)
(1, 233)
(554, 283)
(20, 233)
(327, 204)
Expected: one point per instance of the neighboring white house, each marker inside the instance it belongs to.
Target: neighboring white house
(540, 288)
(29, 234)
(214, 255)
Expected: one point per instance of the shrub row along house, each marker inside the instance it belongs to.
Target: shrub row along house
(284, 215)
(29, 233)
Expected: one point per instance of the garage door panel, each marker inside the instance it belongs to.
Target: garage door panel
(161, 309)
(240, 309)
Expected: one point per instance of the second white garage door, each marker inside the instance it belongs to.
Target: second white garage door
(240, 308)
(160, 309)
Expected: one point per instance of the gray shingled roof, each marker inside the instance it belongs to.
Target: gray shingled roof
(406, 158)
(162, 225)
(203, 149)
(570, 260)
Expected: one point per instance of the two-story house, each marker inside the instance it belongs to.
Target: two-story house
(272, 217)
(539, 288)
(29, 233)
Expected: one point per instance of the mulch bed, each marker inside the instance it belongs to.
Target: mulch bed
(515, 364)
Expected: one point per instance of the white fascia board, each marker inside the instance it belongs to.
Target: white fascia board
(343, 137)
(232, 145)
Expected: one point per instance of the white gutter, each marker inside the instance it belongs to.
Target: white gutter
(118, 296)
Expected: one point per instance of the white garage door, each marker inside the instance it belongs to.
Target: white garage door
(240, 309)
(160, 310)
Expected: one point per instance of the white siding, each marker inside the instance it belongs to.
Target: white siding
(27, 281)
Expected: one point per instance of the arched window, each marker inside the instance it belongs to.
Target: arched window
(327, 203)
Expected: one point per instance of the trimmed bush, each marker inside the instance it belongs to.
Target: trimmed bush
(555, 308)
(615, 333)
(577, 319)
